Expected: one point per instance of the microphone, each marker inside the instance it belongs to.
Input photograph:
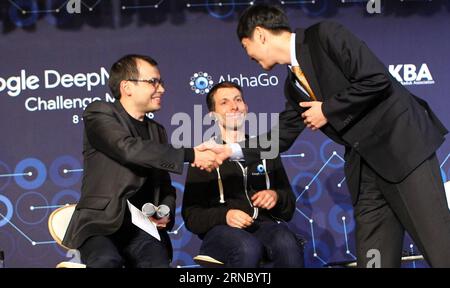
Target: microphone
(163, 211)
(148, 209)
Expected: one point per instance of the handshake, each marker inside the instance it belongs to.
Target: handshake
(210, 155)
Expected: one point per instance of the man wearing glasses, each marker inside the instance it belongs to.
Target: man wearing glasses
(127, 160)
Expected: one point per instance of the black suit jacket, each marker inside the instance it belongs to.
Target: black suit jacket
(368, 111)
(117, 162)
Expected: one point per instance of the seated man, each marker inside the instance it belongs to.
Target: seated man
(126, 157)
(239, 211)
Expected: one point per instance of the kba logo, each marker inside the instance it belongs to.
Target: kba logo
(408, 74)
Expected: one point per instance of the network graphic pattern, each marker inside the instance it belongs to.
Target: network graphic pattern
(216, 8)
(31, 208)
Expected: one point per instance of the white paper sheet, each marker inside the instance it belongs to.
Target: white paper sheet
(140, 220)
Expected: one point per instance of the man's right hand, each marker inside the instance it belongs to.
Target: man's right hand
(206, 160)
(238, 219)
(160, 223)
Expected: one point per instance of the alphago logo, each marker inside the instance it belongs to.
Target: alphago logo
(201, 83)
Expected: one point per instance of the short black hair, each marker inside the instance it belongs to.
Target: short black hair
(126, 68)
(267, 16)
(225, 84)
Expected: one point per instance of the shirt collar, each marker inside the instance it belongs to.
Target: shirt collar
(294, 61)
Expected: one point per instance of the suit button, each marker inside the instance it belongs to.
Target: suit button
(356, 145)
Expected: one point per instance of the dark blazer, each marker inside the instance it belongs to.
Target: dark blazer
(202, 209)
(117, 162)
(368, 111)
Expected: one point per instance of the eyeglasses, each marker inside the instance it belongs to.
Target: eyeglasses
(155, 82)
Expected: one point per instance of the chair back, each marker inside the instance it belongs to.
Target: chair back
(59, 221)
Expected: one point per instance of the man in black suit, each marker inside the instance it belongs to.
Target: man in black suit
(126, 157)
(390, 136)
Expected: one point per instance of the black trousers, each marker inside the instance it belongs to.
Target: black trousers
(129, 247)
(385, 210)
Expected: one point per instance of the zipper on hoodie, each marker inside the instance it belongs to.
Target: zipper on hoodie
(245, 174)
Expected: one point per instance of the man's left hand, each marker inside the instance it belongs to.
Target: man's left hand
(313, 117)
(266, 199)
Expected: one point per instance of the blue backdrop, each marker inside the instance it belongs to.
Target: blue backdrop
(54, 63)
